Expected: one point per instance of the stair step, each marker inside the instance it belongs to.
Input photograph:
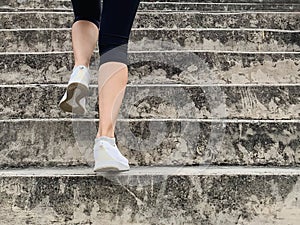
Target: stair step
(162, 101)
(277, 20)
(162, 4)
(161, 39)
(218, 1)
(139, 171)
(161, 68)
(144, 196)
(66, 142)
(219, 7)
(166, 7)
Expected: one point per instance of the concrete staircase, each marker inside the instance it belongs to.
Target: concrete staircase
(210, 120)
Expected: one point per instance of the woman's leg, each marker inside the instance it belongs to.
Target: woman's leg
(113, 77)
(85, 30)
(84, 39)
(116, 22)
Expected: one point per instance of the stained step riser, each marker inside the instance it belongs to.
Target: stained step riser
(161, 68)
(282, 21)
(98, 200)
(143, 40)
(67, 4)
(160, 102)
(62, 143)
(169, 7)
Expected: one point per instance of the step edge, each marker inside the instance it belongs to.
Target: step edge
(164, 51)
(217, 120)
(162, 29)
(205, 170)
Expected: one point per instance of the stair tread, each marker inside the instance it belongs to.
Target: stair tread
(67, 142)
(157, 67)
(162, 39)
(140, 197)
(259, 20)
(165, 6)
(155, 171)
(163, 101)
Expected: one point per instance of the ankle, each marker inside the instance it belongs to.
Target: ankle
(105, 134)
(86, 64)
(110, 140)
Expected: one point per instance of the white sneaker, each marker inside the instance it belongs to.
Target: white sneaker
(77, 90)
(108, 157)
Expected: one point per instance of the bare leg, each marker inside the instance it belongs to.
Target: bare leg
(112, 81)
(84, 39)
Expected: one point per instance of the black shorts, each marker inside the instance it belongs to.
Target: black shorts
(114, 21)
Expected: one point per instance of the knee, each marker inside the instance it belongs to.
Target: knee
(113, 49)
(92, 20)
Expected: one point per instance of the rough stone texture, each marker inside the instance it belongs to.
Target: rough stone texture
(222, 40)
(161, 68)
(35, 4)
(225, 1)
(161, 102)
(146, 199)
(35, 41)
(36, 20)
(164, 6)
(221, 7)
(283, 21)
(147, 39)
(279, 20)
(153, 142)
(232, 4)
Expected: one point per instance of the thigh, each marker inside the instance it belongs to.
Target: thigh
(89, 10)
(116, 20)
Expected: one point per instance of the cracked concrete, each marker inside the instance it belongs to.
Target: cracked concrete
(30, 143)
(142, 40)
(176, 199)
(164, 19)
(161, 68)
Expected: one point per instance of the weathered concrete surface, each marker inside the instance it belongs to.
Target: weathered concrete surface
(285, 21)
(229, 1)
(62, 142)
(217, 39)
(161, 68)
(35, 4)
(151, 1)
(10, 5)
(36, 20)
(145, 39)
(221, 7)
(161, 102)
(271, 20)
(213, 6)
(143, 199)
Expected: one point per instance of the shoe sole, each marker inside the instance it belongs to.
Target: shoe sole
(71, 89)
(111, 166)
